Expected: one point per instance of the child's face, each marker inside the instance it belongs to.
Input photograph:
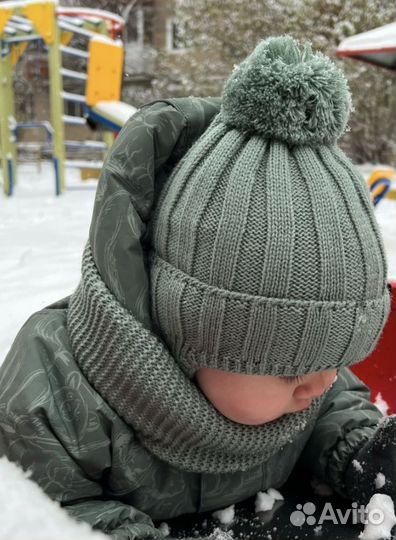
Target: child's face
(257, 399)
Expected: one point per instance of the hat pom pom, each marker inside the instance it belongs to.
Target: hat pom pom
(281, 92)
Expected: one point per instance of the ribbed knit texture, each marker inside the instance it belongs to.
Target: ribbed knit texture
(133, 371)
(266, 256)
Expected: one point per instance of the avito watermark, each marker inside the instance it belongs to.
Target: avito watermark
(355, 515)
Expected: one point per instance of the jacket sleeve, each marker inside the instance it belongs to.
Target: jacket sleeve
(347, 419)
(120, 521)
(55, 426)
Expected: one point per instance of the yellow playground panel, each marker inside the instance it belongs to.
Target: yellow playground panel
(43, 17)
(5, 16)
(106, 61)
(89, 174)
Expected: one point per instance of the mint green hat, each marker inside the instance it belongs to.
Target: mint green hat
(266, 256)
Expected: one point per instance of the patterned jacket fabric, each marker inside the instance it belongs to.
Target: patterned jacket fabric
(52, 420)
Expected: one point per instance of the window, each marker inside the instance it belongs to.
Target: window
(175, 35)
(136, 26)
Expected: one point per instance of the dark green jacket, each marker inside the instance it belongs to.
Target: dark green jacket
(54, 423)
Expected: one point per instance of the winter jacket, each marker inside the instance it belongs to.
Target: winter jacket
(81, 453)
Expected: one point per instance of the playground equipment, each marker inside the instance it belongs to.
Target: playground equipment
(380, 184)
(54, 27)
(377, 47)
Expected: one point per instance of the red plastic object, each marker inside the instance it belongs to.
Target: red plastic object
(378, 370)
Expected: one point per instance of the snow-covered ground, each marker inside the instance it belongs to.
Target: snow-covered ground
(42, 239)
(41, 242)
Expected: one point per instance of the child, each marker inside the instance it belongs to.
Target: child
(233, 267)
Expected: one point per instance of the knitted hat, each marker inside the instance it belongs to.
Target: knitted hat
(267, 258)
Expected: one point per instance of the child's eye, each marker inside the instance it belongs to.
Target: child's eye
(294, 380)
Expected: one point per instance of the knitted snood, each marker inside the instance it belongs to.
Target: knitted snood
(134, 372)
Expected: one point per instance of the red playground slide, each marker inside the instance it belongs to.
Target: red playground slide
(378, 371)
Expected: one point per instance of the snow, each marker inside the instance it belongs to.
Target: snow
(385, 213)
(164, 528)
(18, 3)
(72, 26)
(68, 119)
(43, 519)
(41, 241)
(70, 96)
(73, 74)
(108, 40)
(266, 500)
(381, 404)
(10, 31)
(34, 2)
(275, 494)
(88, 12)
(380, 480)
(219, 534)
(357, 465)
(377, 528)
(378, 38)
(225, 516)
(12, 123)
(263, 502)
(22, 26)
(117, 110)
(83, 164)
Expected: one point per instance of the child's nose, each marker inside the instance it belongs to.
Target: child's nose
(315, 386)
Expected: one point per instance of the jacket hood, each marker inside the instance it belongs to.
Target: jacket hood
(133, 174)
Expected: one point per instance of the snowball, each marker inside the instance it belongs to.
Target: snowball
(377, 528)
(381, 404)
(357, 465)
(264, 502)
(219, 534)
(116, 110)
(164, 528)
(380, 480)
(225, 516)
(107, 40)
(274, 493)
